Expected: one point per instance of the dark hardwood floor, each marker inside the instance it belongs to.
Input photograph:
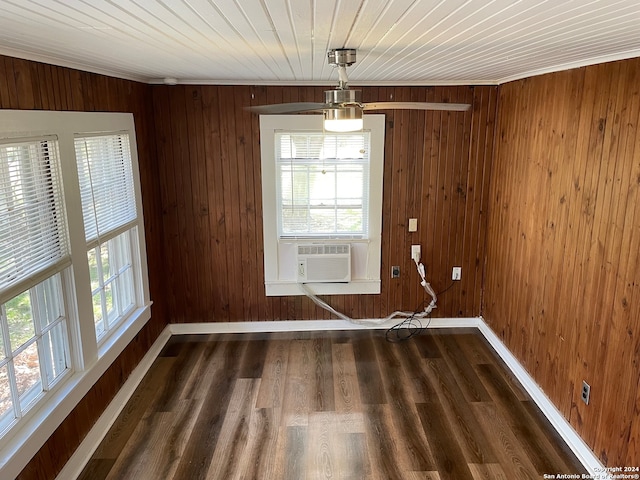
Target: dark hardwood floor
(330, 405)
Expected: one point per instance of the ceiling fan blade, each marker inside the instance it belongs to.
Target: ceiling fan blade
(452, 107)
(277, 108)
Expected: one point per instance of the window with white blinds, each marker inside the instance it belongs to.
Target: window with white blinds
(106, 185)
(109, 210)
(34, 250)
(322, 184)
(33, 228)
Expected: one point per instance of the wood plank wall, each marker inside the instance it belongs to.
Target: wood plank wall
(436, 170)
(34, 86)
(563, 269)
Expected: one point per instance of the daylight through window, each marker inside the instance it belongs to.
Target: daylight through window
(109, 211)
(323, 184)
(34, 342)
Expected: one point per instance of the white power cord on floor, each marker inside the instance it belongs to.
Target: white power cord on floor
(398, 314)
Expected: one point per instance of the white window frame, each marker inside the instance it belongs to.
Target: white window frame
(280, 253)
(89, 358)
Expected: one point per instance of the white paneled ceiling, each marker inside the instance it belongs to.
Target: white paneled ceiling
(399, 42)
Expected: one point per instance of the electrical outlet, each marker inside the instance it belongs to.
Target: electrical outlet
(586, 392)
(395, 271)
(415, 253)
(456, 273)
(413, 224)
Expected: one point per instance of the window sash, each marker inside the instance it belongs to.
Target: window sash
(106, 185)
(113, 287)
(47, 345)
(33, 227)
(322, 184)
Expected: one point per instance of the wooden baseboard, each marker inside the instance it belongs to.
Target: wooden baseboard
(307, 325)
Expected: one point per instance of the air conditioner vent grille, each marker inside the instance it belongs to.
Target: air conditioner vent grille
(323, 249)
(324, 263)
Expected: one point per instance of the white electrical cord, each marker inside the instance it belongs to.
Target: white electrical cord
(424, 313)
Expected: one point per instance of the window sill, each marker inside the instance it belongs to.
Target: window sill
(281, 288)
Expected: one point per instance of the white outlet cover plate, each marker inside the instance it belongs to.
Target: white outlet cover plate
(456, 273)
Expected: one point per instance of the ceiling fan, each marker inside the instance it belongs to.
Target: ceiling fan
(343, 106)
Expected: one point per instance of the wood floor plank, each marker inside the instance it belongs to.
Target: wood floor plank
(355, 460)
(234, 434)
(369, 379)
(422, 390)
(247, 438)
(323, 397)
(196, 459)
(141, 400)
(175, 384)
(274, 375)
(555, 440)
(489, 471)
(512, 457)
(348, 404)
(474, 347)
(298, 385)
(97, 468)
(343, 405)
(200, 376)
(324, 447)
(295, 453)
(446, 451)
(253, 360)
(427, 346)
(467, 378)
(382, 445)
(478, 351)
(257, 460)
(423, 476)
(540, 451)
(143, 453)
(412, 441)
(474, 443)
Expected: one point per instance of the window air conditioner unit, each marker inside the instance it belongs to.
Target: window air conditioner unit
(320, 263)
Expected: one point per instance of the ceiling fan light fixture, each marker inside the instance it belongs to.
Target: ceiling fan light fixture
(343, 119)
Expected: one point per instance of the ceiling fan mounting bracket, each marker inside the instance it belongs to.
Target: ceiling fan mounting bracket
(341, 57)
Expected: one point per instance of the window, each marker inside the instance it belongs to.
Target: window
(321, 186)
(73, 277)
(34, 250)
(109, 213)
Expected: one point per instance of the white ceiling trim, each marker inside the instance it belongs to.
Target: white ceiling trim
(35, 57)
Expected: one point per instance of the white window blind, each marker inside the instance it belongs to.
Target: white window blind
(322, 184)
(106, 185)
(33, 228)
